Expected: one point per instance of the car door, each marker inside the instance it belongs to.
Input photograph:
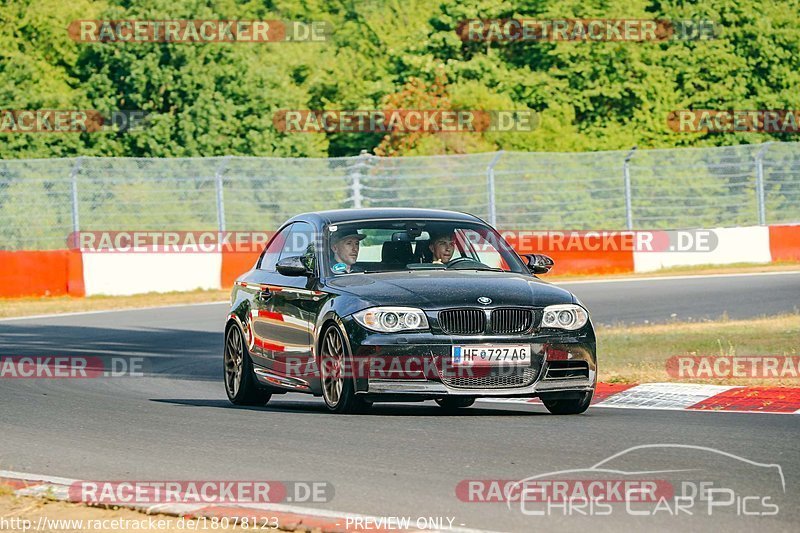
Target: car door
(290, 308)
(262, 286)
(295, 305)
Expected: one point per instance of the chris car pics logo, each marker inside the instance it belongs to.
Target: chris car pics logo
(652, 480)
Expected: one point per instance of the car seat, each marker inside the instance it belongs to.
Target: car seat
(396, 254)
(422, 252)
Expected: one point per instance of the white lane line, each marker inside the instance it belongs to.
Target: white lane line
(51, 490)
(35, 477)
(83, 313)
(667, 278)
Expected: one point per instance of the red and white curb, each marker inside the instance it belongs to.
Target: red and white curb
(690, 397)
(288, 517)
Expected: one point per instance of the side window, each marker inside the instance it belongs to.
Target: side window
(273, 251)
(300, 242)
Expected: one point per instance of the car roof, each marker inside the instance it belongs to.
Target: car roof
(349, 215)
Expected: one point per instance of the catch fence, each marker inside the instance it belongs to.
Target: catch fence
(43, 200)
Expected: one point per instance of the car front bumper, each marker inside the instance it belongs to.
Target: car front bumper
(410, 366)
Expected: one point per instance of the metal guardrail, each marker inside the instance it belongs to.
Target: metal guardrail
(43, 200)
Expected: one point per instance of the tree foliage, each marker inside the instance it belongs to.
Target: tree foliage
(219, 98)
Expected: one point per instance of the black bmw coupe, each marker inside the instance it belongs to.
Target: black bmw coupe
(368, 305)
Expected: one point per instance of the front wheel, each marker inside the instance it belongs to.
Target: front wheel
(240, 381)
(338, 389)
(571, 406)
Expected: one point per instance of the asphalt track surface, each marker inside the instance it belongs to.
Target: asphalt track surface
(400, 459)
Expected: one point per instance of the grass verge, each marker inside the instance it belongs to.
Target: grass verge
(639, 354)
(14, 307)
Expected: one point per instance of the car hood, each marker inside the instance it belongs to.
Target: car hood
(442, 289)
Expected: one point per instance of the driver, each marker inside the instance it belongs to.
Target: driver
(345, 246)
(442, 246)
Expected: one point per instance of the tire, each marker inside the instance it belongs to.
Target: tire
(338, 389)
(455, 403)
(241, 384)
(569, 407)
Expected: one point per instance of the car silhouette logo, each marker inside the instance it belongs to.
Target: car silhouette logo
(484, 300)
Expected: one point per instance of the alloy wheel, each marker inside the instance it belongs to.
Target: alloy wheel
(234, 358)
(332, 367)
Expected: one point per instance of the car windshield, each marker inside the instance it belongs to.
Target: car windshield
(402, 245)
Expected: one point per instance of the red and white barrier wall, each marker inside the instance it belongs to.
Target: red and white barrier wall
(136, 273)
(734, 245)
(70, 272)
(41, 273)
(622, 253)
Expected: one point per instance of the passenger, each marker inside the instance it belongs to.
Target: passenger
(442, 246)
(345, 246)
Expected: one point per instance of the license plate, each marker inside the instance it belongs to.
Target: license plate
(491, 355)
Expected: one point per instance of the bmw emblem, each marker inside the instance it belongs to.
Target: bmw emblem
(484, 300)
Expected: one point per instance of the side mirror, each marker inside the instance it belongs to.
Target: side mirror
(539, 263)
(293, 266)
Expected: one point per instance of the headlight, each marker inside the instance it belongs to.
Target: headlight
(391, 319)
(565, 316)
